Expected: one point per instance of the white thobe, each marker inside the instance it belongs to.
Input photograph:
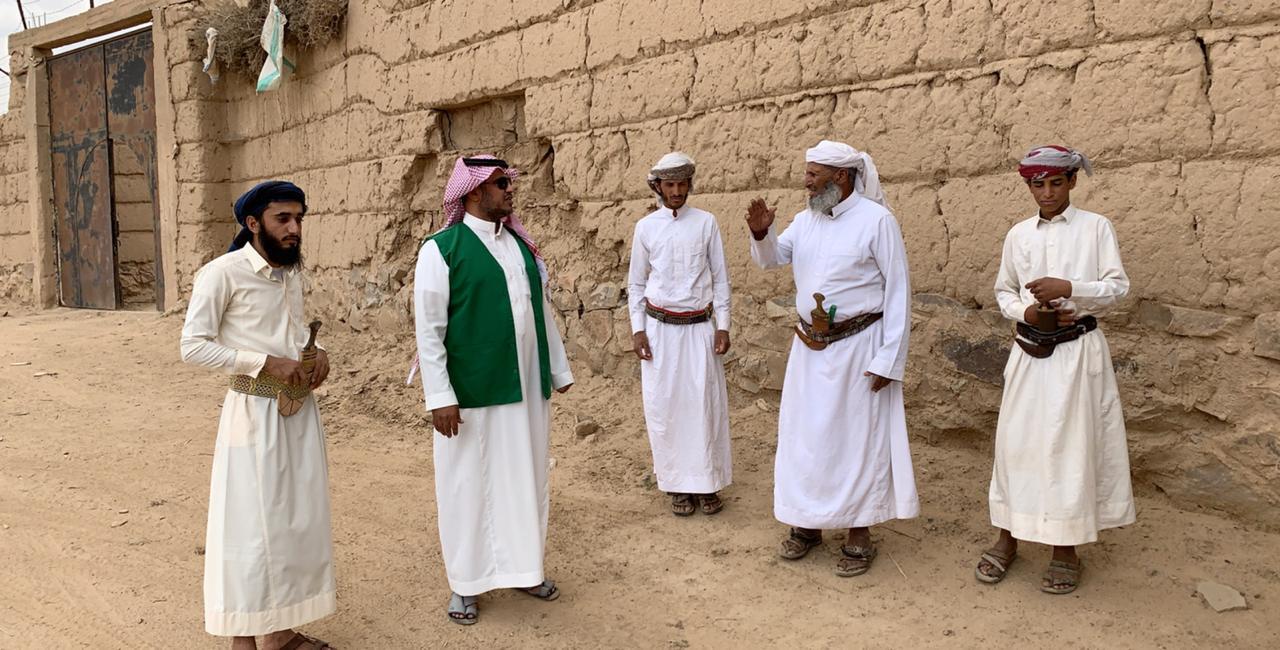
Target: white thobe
(491, 479)
(1061, 458)
(268, 562)
(677, 264)
(843, 460)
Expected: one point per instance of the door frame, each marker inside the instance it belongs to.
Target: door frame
(36, 47)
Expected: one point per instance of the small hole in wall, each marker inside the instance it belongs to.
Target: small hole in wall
(581, 308)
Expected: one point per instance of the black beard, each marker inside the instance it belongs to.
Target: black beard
(277, 253)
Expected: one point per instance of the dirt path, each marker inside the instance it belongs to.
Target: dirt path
(104, 471)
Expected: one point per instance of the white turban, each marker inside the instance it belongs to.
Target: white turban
(675, 166)
(838, 154)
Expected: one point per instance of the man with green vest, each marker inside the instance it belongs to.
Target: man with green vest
(490, 354)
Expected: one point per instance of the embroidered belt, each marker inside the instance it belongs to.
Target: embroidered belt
(816, 340)
(265, 385)
(678, 317)
(1040, 344)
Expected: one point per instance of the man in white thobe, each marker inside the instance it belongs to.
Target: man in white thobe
(1061, 469)
(490, 354)
(843, 459)
(268, 563)
(677, 285)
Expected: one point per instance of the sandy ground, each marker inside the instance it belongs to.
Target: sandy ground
(104, 470)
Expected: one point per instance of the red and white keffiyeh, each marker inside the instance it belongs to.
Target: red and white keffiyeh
(1049, 160)
(466, 178)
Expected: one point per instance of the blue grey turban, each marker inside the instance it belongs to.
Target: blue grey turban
(256, 200)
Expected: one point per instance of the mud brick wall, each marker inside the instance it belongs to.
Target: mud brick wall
(135, 241)
(15, 220)
(1176, 101)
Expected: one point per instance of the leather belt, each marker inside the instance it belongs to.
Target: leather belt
(1040, 344)
(678, 317)
(838, 330)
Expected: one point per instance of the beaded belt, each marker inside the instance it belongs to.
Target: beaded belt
(841, 330)
(265, 385)
(678, 317)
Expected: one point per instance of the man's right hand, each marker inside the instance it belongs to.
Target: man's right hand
(446, 420)
(759, 218)
(640, 343)
(286, 370)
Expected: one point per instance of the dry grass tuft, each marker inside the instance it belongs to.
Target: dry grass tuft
(312, 23)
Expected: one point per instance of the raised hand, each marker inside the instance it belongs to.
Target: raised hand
(759, 218)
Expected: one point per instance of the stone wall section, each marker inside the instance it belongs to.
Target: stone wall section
(1175, 100)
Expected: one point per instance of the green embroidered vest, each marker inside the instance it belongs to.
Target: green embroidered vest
(480, 342)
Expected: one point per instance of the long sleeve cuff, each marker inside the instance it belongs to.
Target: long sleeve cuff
(248, 363)
(441, 399)
(764, 252)
(561, 379)
(722, 319)
(638, 320)
(1009, 307)
(1022, 311)
(885, 368)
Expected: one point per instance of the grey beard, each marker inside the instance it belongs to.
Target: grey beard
(827, 200)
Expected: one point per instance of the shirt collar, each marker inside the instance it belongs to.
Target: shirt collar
(260, 265)
(482, 227)
(684, 210)
(843, 206)
(1064, 217)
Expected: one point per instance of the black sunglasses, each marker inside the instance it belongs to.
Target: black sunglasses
(503, 182)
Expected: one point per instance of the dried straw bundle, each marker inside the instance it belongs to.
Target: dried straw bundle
(312, 23)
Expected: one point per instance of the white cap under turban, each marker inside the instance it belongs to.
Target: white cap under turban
(838, 154)
(675, 166)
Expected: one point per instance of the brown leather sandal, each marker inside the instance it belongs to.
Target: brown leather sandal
(711, 503)
(1062, 578)
(682, 504)
(996, 566)
(299, 638)
(855, 560)
(797, 544)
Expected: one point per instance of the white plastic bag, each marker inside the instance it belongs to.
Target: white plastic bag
(276, 65)
(210, 63)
